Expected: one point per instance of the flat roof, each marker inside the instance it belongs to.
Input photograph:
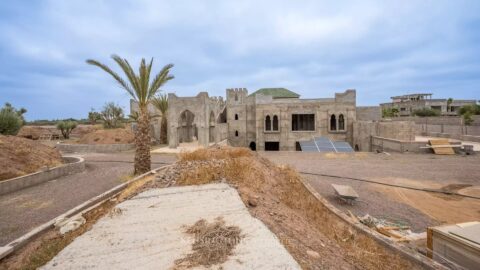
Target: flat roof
(412, 95)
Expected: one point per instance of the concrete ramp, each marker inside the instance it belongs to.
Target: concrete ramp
(147, 233)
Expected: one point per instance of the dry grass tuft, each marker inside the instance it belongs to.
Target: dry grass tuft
(214, 242)
(215, 153)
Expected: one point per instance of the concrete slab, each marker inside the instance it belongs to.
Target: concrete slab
(147, 233)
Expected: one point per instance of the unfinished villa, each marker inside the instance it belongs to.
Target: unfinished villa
(269, 119)
(407, 104)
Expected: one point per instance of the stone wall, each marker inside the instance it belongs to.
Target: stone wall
(206, 111)
(73, 165)
(93, 148)
(398, 130)
(369, 113)
(438, 120)
(343, 103)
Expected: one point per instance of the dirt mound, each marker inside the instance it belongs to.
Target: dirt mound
(20, 156)
(316, 237)
(108, 136)
(35, 132)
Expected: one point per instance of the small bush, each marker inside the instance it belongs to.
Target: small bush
(66, 128)
(112, 115)
(11, 119)
(389, 112)
(426, 112)
(94, 116)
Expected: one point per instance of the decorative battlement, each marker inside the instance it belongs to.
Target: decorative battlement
(236, 95)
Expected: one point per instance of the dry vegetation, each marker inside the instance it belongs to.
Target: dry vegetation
(108, 136)
(214, 242)
(19, 156)
(313, 235)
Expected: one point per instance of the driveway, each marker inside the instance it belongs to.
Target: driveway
(28, 208)
(418, 209)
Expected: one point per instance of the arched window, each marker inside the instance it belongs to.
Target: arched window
(268, 123)
(275, 122)
(236, 116)
(333, 122)
(236, 97)
(341, 122)
(236, 133)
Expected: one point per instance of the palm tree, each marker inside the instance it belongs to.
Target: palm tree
(449, 104)
(161, 103)
(142, 90)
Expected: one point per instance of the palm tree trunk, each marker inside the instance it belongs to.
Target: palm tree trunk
(163, 130)
(142, 143)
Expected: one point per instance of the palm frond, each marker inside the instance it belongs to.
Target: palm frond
(119, 79)
(127, 69)
(162, 77)
(161, 103)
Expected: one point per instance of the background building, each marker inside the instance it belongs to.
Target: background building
(407, 104)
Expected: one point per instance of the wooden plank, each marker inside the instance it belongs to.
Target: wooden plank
(441, 150)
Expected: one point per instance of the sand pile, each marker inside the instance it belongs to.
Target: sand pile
(108, 136)
(20, 156)
(35, 132)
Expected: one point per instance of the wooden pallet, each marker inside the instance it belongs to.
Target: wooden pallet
(441, 147)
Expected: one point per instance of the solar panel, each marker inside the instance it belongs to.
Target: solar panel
(324, 144)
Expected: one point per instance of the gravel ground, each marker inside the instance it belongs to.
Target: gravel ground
(406, 169)
(26, 209)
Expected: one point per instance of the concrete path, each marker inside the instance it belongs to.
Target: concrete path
(148, 233)
(28, 208)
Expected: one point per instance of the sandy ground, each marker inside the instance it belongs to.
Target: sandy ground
(25, 209)
(476, 145)
(418, 209)
(148, 232)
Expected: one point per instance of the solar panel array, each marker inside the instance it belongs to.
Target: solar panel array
(324, 144)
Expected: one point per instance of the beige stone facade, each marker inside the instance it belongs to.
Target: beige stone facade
(261, 122)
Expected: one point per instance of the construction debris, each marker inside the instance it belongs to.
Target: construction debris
(345, 193)
(398, 232)
(69, 224)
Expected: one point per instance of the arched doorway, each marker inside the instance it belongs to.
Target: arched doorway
(187, 130)
(356, 148)
(253, 146)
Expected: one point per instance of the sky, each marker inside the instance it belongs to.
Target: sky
(315, 48)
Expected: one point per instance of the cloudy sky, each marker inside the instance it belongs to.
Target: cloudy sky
(315, 48)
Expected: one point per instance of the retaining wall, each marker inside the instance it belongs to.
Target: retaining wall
(393, 145)
(74, 165)
(93, 148)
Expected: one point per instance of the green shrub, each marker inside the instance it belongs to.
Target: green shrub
(426, 112)
(11, 119)
(112, 115)
(66, 128)
(94, 116)
(389, 112)
(467, 112)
